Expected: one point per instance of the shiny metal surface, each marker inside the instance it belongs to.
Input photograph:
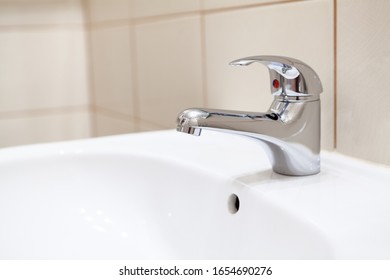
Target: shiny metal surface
(289, 130)
(296, 78)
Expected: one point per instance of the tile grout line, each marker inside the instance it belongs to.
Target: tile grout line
(40, 112)
(248, 6)
(112, 113)
(91, 84)
(122, 116)
(170, 16)
(42, 27)
(134, 68)
(203, 51)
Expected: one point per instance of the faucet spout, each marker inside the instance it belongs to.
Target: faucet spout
(289, 131)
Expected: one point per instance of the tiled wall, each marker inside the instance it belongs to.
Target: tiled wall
(44, 93)
(151, 59)
(79, 68)
(363, 79)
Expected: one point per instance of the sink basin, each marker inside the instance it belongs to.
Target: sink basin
(166, 195)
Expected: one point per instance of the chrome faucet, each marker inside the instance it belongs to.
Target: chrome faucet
(289, 130)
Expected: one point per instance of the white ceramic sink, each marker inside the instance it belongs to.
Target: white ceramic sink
(167, 195)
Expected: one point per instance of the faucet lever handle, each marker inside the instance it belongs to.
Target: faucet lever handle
(289, 76)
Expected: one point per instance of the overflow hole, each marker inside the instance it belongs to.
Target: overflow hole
(233, 203)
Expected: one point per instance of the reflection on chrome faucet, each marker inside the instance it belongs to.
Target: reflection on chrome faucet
(289, 130)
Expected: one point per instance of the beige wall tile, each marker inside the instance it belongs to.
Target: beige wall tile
(144, 8)
(148, 126)
(215, 4)
(109, 125)
(112, 69)
(42, 68)
(363, 79)
(305, 33)
(27, 129)
(169, 69)
(41, 12)
(105, 10)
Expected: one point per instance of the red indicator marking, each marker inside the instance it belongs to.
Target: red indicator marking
(276, 83)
